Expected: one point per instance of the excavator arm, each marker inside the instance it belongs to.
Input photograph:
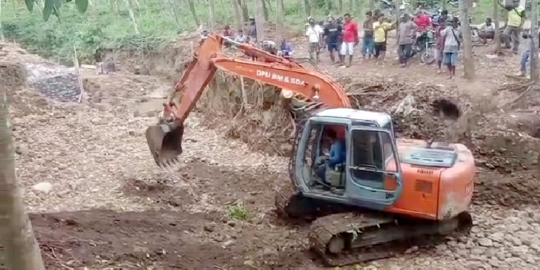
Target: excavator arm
(165, 139)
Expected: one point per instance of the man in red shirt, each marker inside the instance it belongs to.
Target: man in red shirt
(350, 39)
(422, 20)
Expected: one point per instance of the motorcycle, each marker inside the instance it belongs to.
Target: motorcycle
(424, 46)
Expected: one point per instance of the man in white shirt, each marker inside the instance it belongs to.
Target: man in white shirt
(314, 33)
(486, 30)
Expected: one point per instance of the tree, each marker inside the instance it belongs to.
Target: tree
(53, 7)
(1, 31)
(468, 61)
(245, 11)
(306, 7)
(259, 21)
(211, 13)
(279, 19)
(193, 13)
(496, 21)
(21, 249)
(238, 20)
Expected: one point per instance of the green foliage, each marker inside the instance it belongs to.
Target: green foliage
(107, 26)
(53, 7)
(237, 211)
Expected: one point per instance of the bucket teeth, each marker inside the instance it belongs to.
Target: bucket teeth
(169, 163)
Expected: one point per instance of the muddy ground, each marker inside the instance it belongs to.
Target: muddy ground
(110, 207)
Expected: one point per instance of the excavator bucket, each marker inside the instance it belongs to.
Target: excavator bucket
(165, 143)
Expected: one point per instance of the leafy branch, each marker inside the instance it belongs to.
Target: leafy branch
(53, 7)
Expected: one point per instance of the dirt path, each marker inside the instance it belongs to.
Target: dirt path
(114, 208)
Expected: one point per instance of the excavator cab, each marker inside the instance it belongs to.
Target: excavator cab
(369, 174)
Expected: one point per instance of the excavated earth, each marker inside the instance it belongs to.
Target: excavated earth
(109, 206)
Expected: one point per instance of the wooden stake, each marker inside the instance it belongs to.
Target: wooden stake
(79, 78)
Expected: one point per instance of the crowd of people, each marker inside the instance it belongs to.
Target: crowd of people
(341, 36)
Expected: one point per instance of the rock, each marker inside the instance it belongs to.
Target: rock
(477, 251)
(516, 241)
(476, 265)
(209, 227)
(485, 242)
(44, 187)
(494, 262)
(411, 250)
(500, 255)
(21, 149)
(497, 237)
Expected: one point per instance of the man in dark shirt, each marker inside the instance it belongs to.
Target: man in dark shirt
(332, 32)
(252, 32)
(337, 155)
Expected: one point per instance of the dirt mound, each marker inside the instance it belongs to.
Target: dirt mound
(24, 101)
(128, 240)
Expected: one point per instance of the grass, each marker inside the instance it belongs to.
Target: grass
(237, 211)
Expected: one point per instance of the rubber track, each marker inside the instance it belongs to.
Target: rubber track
(376, 245)
(323, 229)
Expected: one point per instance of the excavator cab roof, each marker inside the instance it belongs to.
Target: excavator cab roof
(348, 115)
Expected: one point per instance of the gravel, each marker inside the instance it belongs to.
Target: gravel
(55, 82)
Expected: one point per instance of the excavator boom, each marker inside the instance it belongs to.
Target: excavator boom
(165, 139)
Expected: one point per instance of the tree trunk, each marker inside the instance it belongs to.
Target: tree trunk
(496, 21)
(259, 20)
(211, 14)
(340, 6)
(172, 7)
(279, 19)
(371, 5)
(328, 5)
(443, 4)
(468, 61)
(238, 21)
(306, 6)
(534, 37)
(193, 13)
(21, 249)
(245, 10)
(1, 30)
(132, 16)
(265, 10)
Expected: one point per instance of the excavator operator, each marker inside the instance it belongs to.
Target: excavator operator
(336, 155)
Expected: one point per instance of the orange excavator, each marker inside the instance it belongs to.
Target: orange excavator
(371, 190)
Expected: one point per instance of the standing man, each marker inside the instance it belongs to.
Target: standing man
(452, 41)
(367, 40)
(314, 33)
(332, 31)
(350, 39)
(252, 32)
(380, 28)
(406, 36)
(516, 18)
(439, 47)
